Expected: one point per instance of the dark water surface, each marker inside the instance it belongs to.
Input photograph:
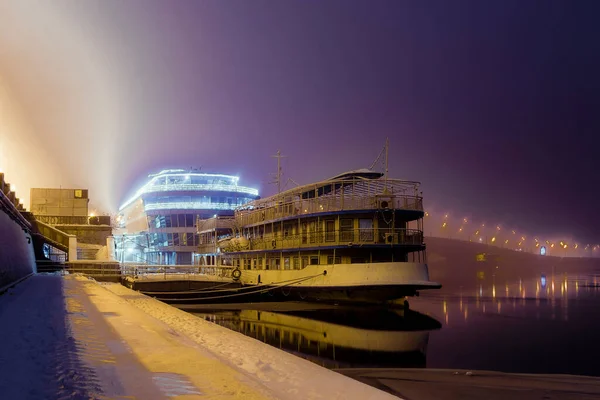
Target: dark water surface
(544, 324)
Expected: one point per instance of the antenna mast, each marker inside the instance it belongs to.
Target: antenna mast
(278, 174)
(387, 144)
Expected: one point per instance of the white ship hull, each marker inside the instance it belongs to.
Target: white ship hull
(353, 283)
(372, 282)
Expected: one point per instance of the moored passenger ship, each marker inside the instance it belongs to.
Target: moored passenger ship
(356, 237)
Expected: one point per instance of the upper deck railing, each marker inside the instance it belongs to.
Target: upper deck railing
(332, 196)
(319, 239)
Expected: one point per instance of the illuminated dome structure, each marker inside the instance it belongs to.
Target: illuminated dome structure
(157, 225)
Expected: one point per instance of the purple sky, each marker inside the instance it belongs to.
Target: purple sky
(493, 106)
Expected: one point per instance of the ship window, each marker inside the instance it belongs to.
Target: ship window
(304, 229)
(304, 261)
(333, 260)
(296, 262)
(286, 263)
(366, 230)
(312, 228)
(168, 221)
(346, 230)
(181, 220)
(169, 239)
(190, 239)
(314, 260)
(330, 230)
(176, 239)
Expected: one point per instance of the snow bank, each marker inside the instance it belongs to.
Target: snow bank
(287, 376)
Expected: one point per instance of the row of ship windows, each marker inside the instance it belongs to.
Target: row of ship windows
(199, 199)
(172, 221)
(193, 179)
(288, 263)
(173, 239)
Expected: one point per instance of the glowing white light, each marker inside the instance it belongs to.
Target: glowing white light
(190, 205)
(153, 187)
(192, 187)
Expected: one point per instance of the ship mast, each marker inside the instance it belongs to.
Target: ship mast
(387, 144)
(381, 153)
(278, 174)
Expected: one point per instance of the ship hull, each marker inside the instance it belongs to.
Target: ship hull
(347, 283)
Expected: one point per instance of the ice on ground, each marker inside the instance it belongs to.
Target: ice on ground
(39, 359)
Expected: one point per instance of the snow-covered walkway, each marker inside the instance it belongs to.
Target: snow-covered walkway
(73, 338)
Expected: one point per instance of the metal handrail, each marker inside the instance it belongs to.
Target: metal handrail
(299, 207)
(52, 234)
(140, 270)
(326, 238)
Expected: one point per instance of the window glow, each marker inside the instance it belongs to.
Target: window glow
(190, 205)
(156, 184)
(199, 187)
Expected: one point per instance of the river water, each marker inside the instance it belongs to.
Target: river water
(544, 324)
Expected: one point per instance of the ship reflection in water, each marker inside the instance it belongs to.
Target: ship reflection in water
(338, 337)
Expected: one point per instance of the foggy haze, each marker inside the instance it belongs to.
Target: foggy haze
(492, 106)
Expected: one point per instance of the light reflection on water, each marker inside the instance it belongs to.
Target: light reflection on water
(339, 336)
(546, 324)
(540, 293)
(530, 325)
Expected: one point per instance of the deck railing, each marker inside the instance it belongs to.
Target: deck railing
(297, 208)
(327, 238)
(174, 271)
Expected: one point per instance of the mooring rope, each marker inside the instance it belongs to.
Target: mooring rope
(298, 280)
(226, 290)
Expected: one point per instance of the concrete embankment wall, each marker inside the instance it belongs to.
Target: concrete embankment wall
(17, 258)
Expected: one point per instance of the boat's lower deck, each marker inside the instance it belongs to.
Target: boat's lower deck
(351, 283)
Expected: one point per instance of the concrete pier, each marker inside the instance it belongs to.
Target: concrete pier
(72, 337)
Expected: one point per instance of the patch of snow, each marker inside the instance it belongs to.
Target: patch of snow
(288, 376)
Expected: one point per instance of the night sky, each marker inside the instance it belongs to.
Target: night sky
(493, 106)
